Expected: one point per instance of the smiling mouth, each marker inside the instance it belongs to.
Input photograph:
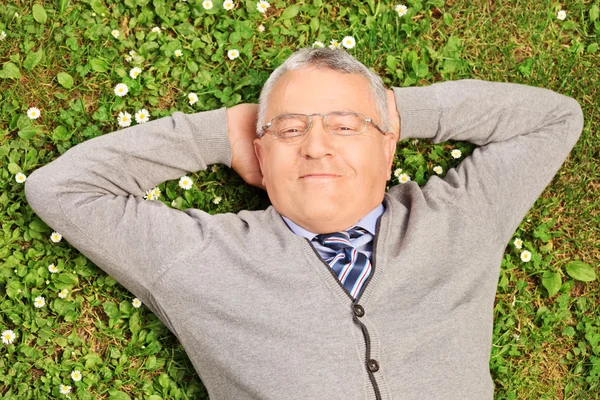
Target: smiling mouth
(319, 176)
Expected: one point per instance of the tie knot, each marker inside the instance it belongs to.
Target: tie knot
(340, 239)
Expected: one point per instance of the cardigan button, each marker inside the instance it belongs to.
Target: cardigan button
(359, 310)
(373, 365)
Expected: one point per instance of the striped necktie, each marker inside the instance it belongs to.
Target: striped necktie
(350, 265)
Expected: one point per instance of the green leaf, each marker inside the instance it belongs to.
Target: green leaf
(10, 71)
(13, 168)
(235, 37)
(421, 70)
(62, 5)
(290, 12)
(33, 59)
(526, 67)
(581, 271)
(314, 24)
(391, 62)
(111, 309)
(68, 278)
(134, 323)
(594, 12)
(38, 225)
(39, 14)
(551, 281)
(99, 8)
(592, 48)
(65, 80)
(163, 380)
(118, 395)
(99, 65)
(148, 47)
(61, 133)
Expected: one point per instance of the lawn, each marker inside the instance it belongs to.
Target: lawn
(74, 70)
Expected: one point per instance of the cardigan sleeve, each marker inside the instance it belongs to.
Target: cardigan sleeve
(93, 194)
(524, 134)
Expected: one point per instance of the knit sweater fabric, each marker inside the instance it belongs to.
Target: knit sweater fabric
(259, 313)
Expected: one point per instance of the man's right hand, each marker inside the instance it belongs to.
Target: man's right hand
(241, 124)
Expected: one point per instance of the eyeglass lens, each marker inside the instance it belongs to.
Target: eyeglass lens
(291, 125)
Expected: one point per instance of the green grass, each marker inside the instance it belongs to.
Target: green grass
(62, 59)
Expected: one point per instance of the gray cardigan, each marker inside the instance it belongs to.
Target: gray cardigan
(259, 313)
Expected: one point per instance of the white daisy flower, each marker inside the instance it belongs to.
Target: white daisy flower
(64, 389)
(456, 153)
(525, 256)
(135, 72)
(121, 89)
(518, 243)
(115, 33)
(217, 200)
(39, 302)
(401, 9)
(47, 282)
(56, 237)
(438, 169)
(348, 42)
(397, 172)
(8, 336)
(185, 182)
(156, 192)
(233, 54)
(142, 116)
(207, 4)
(149, 195)
(52, 268)
(124, 119)
(33, 113)
(20, 177)
(17, 15)
(156, 29)
(128, 58)
(228, 5)
(403, 178)
(262, 6)
(178, 53)
(261, 28)
(76, 376)
(214, 168)
(136, 303)
(415, 141)
(93, 14)
(562, 14)
(334, 44)
(63, 293)
(132, 53)
(192, 98)
(318, 44)
(2, 35)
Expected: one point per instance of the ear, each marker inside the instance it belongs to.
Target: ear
(259, 151)
(389, 152)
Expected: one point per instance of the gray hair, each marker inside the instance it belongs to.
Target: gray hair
(333, 59)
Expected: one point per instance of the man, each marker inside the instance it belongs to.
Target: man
(339, 290)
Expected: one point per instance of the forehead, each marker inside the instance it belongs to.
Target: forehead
(316, 90)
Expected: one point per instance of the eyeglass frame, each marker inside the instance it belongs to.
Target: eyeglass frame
(310, 122)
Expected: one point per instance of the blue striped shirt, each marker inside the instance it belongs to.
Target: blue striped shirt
(364, 244)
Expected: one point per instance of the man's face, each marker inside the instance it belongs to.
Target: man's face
(325, 182)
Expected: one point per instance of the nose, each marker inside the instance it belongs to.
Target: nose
(319, 142)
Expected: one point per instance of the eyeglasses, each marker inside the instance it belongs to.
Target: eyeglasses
(289, 126)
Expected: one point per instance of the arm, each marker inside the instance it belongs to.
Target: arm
(93, 193)
(525, 134)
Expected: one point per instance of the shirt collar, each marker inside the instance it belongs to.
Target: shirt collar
(368, 222)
